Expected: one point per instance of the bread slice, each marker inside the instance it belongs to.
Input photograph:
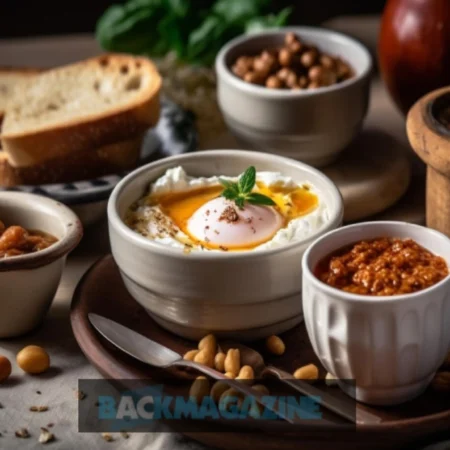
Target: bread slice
(10, 77)
(113, 158)
(80, 107)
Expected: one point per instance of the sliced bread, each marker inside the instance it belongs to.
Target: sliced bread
(112, 158)
(80, 107)
(10, 77)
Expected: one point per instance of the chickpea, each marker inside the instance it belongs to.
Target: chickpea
(219, 362)
(246, 373)
(302, 82)
(208, 343)
(33, 359)
(343, 70)
(269, 57)
(327, 61)
(238, 71)
(190, 355)
(232, 362)
(291, 80)
(275, 345)
(315, 73)
(313, 85)
(219, 387)
(283, 73)
(231, 392)
(261, 389)
(290, 38)
(253, 77)
(244, 62)
(5, 368)
(296, 47)
(199, 389)
(328, 77)
(285, 57)
(308, 58)
(261, 66)
(274, 82)
(205, 358)
(309, 372)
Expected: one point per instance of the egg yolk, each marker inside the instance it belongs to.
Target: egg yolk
(198, 213)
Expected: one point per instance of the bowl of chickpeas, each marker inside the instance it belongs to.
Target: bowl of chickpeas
(299, 92)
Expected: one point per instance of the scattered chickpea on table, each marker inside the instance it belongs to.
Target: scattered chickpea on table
(296, 65)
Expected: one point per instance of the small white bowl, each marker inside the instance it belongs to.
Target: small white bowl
(390, 345)
(238, 294)
(29, 282)
(312, 125)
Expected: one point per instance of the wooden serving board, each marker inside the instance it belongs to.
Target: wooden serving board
(102, 291)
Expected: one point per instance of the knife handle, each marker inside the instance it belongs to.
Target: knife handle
(347, 410)
(248, 391)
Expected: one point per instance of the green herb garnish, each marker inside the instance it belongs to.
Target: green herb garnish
(241, 191)
(194, 30)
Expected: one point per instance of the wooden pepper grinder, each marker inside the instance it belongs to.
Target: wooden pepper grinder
(428, 128)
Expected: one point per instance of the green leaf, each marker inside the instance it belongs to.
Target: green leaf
(261, 23)
(237, 12)
(247, 180)
(229, 194)
(239, 202)
(259, 199)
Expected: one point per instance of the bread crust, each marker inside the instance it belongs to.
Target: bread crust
(93, 130)
(113, 158)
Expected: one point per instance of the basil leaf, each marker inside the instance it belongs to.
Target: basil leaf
(259, 199)
(261, 23)
(238, 11)
(247, 180)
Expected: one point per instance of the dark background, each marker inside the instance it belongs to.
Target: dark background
(40, 17)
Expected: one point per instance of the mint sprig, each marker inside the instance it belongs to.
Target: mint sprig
(241, 191)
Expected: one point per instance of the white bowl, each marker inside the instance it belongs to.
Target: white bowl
(390, 345)
(312, 125)
(29, 282)
(239, 294)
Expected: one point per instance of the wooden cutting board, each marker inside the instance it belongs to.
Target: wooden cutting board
(373, 173)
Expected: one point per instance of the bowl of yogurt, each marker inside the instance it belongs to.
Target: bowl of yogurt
(212, 241)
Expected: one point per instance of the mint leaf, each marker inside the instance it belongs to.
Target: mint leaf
(239, 202)
(247, 180)
(259, 199)
(229, 194)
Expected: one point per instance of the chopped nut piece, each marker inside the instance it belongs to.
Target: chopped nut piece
(229, 214)
(46, 436)
(50, 425)
(38, 408)
(124, 434)
(22, 433)
(38, 392)
(107, 437)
